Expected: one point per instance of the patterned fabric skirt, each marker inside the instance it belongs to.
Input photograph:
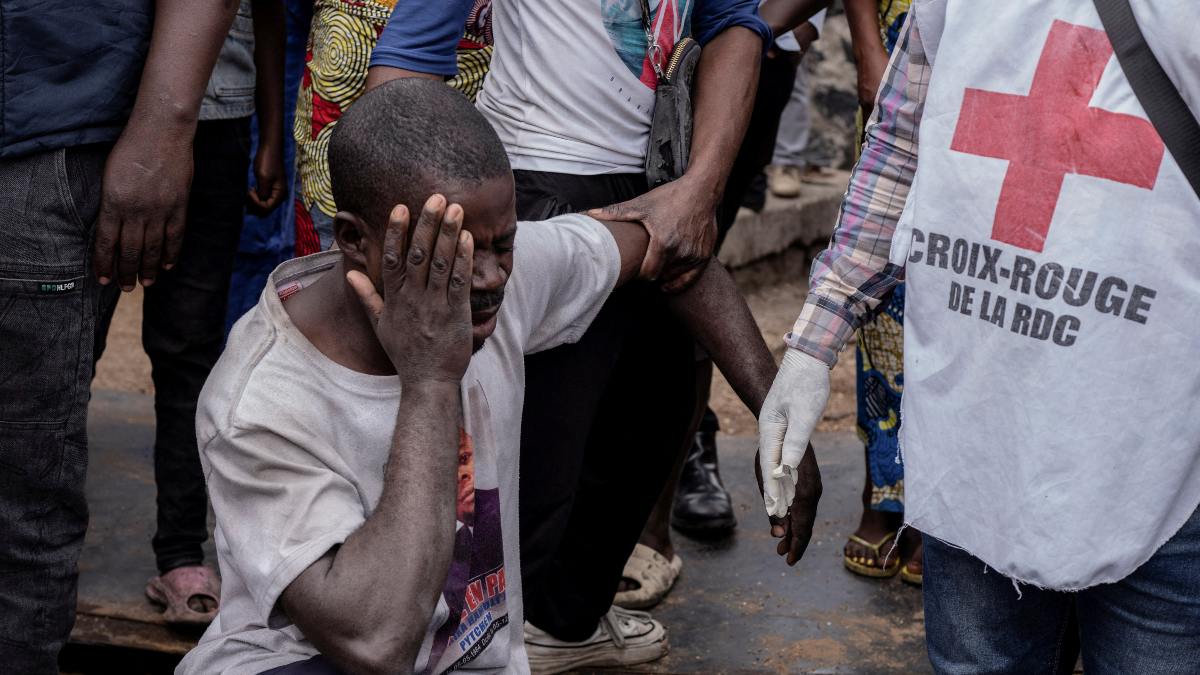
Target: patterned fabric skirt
(880, 380)
(343, 34)
(880, 352)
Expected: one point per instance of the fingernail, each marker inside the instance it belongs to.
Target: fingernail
(104, 281)
(169, 266)
(147, 282)
(126, 287)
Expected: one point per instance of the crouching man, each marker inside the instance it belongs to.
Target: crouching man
(359, 530)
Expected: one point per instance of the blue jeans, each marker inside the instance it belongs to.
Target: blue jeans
(1148, 623)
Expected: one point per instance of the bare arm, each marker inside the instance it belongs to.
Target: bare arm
(870, 56)
(269, 47)
(715, 312)
(681, 215)
(347, 602)
(785, 15)
(149, 171)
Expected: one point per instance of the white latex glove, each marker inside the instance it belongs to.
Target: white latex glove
(789, 415)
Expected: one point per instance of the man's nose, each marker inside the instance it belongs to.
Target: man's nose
(487, 274)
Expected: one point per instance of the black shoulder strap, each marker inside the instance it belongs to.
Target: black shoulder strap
(1165, 107)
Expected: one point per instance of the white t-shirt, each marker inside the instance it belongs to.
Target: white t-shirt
(293, 447)
(569, 89)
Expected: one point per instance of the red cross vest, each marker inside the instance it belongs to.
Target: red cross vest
(1051, 412)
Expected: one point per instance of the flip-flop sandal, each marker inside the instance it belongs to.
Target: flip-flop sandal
(911, 577)
(174, 589)
(654, 574)
(862, 567)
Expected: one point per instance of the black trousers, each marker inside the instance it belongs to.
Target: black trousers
(604, 421)
(775, 80)
(48, 304)
(183, 332)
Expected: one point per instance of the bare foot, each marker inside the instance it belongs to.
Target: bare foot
(912, 547)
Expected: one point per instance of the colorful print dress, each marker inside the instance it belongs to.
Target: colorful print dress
(339, 50)
(880, 355)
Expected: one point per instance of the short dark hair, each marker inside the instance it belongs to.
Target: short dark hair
(404, 140)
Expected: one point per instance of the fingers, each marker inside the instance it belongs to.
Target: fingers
(422, 239)
(652, 264)
(624, 212)
(253, 203)
(173, 237)
(108, 233)
(458, 291)
(444, 250)
(394, 269)
(794, 443)
(778, 527)
(129, 254)
(683, 281)
(152, 249)
(772, 428)
(797, 542)
(367, 294)
(275, 196)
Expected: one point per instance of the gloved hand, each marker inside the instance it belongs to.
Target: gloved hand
(789, 414)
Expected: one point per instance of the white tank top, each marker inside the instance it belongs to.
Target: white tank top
(1051, 412)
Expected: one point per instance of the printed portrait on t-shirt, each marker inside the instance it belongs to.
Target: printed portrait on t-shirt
(475, 588)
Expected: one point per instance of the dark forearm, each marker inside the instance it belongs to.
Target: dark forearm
(347, 602)
(269, 48)
(863, 17)
(715, 311)
(785, 15)
(726, 79)
(187, 37)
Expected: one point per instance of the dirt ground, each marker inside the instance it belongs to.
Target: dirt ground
(124, 366)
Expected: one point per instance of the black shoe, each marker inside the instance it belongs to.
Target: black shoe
(702, 506)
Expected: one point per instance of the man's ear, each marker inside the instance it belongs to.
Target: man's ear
(352, 236)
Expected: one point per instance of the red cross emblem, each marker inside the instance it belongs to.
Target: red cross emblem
(1053, 132)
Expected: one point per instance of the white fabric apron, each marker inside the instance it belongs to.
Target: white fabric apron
(1051, 412)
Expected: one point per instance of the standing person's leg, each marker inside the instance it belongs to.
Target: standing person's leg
(645, 414)
(795, 127)
(879, 388)
(977, 621)
(563, 387)
(183, 332)
(1149, 622)
(48, 207)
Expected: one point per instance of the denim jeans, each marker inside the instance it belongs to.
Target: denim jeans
(48, 306)
(1148, 623)
(183, 332)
